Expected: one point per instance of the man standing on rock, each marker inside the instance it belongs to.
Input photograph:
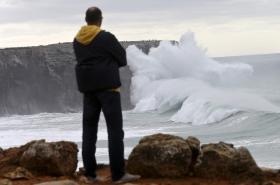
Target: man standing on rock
(99, 56)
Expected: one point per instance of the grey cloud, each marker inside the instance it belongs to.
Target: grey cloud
(71, 11)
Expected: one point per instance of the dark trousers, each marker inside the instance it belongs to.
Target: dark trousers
(110, 104)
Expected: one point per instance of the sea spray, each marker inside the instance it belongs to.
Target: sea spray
(180, 76)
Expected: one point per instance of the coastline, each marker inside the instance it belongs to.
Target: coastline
(160, 159)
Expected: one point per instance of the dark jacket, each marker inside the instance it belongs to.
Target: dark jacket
(99, 55)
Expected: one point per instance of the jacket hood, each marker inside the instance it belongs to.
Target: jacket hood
(87, 34)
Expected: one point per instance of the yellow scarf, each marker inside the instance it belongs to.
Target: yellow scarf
(87, 34)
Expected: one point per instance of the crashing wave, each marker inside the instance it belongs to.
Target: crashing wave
(181, 76)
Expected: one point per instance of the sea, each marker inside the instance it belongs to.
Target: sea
(177, 89)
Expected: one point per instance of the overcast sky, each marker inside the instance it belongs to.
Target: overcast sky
(224, 27)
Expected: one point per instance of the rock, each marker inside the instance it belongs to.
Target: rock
(18, 173)
(10, 160)
(41, 158)
(55, 159)
(1, 153)
(159, 138)
(5, 182)
(222, 160)
(82, 179)
(194, 144)
(271, 173)
(63, 182)
(160, 155)
(269, 183)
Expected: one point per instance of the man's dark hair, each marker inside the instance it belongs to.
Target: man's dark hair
(93, 15)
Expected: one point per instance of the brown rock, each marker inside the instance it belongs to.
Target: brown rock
(222, 160)
(63, 182)
(18, 173)
(1, 152)
(160, 155)
(158, 137)
(10, 159)
(5, 182)
(56, 158)
(269, 183)
(271, 173)
(194, 144)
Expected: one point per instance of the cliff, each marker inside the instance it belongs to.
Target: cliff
(42, 79)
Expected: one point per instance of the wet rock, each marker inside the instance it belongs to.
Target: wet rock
(55, 159)
(18, 173)
(63, 182)
(5, 182)
(160, 155)
(222, 160)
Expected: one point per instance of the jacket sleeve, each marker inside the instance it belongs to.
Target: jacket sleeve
(116, 50)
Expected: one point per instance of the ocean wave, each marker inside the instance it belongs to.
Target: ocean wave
(181, 77)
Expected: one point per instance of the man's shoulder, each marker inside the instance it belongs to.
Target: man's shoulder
(107, 34)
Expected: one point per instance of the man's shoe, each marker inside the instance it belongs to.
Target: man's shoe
(127, 178)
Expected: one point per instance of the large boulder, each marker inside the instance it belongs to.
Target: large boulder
(9, 159)
(160, 155)
(223, 160)
(54, 158)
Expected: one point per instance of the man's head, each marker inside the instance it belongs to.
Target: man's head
(94, 16)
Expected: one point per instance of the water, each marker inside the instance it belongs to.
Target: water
(177, 89)
(18, 130)
(259, 132)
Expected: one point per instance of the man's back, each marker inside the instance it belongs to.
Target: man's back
(99, 56)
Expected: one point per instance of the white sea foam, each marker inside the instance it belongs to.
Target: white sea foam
(180, 76)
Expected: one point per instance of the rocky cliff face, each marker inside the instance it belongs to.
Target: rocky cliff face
(41, 79)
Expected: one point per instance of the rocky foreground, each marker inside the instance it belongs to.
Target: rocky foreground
(160, 159)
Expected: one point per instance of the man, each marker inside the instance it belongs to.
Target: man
(99, 56)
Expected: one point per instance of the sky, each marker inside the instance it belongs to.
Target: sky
(223, 27)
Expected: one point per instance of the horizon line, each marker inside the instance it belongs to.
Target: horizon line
(149, 40)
